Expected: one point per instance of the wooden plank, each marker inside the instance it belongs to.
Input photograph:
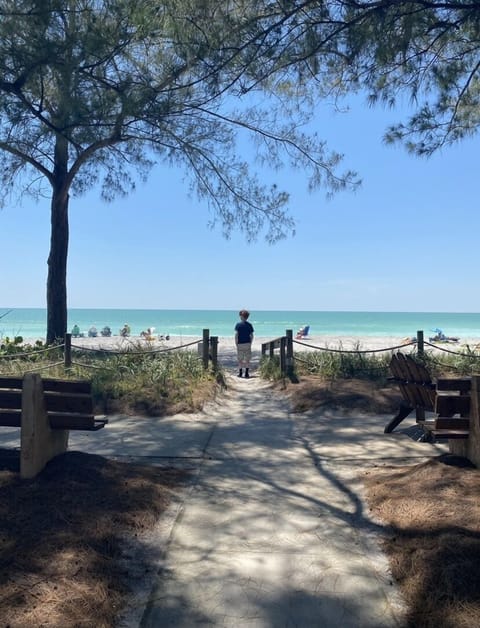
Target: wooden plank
(11, 399)
(100, 422)
(11, 382)
(423, 382)
(448, 405)
(462, 384)
(67, 386)
(72, 403)
(450, 434)
(421, 373)
(452, 423)
(395, 368)
(71, 421)
(409, 391)
(66, 421)
(11, 418)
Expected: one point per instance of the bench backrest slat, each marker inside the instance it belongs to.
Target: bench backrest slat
(414, 381)
(74, 403)
(67, 386)
(7, 381)
(11, 418)
(11, 399)
(70, 397)
(460, 384)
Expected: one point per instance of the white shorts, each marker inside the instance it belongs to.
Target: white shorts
(244, 353)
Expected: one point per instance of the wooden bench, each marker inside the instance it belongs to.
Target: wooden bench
(448, 399)
(45, 410)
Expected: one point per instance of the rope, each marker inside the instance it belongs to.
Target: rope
(44, 368)
(92, 366)
(28, 353)
(128, 352)
(472, 355)
(302, 344)
(301, 360)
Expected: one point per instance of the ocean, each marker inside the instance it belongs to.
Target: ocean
(31, 322)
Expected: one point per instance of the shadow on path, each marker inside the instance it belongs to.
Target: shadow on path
(275, 531)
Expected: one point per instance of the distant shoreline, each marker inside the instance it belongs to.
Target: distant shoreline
(189, 324)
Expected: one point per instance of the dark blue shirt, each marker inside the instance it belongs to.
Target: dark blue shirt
(244, 329)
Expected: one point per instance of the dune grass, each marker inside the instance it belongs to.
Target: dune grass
(136, 381)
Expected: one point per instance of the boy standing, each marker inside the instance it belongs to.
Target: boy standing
(243, 340)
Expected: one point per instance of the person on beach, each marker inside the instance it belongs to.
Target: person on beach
(125, 331)
(243, 340)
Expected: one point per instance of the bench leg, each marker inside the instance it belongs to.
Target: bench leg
(39, 443)
(398, 418)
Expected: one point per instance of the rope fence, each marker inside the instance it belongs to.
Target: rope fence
(287, 356)
(26, 354)
(127, 351)
(356, 351)
(207, 353)
(470, 354)
(46, 367)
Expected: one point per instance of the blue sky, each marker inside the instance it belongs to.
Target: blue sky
(405, 241)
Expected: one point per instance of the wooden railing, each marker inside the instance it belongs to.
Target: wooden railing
(285, 345)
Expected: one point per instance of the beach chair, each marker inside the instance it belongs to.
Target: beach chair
(447, 399)
(303, 332)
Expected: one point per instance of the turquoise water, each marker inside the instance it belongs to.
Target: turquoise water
(31, 323)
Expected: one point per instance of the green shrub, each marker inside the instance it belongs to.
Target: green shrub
(136, 381)
(152, 383)
(269, 368)
(460, 362)
(343, 365)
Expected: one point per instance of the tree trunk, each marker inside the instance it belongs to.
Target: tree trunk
(57, 259)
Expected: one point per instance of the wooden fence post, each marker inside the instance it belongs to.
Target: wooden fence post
(206, 347)
(214, 351)
(67, 352)
(420, 412)
(420, 345)
(283, 357)
(289, 361)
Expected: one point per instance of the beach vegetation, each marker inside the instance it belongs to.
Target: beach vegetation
(361, 364)
(465, 361)
(375, 366)
(269, 368)
(17, 349)
(343, 365)
(135, 382)
(155, 384)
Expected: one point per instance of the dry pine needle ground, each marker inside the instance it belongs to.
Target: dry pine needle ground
(61, 536)
(432, 511)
